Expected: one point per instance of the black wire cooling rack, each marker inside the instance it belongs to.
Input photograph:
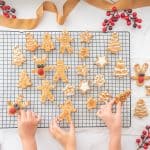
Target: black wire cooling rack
(9, 75)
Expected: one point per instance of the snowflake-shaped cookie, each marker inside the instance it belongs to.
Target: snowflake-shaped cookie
(101, 61)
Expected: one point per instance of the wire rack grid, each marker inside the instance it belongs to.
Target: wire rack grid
(9, 75)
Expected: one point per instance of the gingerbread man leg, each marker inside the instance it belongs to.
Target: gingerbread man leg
(50, 97)
(62, 49)
(56, 77)
(69, 49)
(64, 77)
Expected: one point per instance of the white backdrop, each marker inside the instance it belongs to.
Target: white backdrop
(86, 17)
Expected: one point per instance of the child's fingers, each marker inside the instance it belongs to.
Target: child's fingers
(72, 128)
(23, 115)
(29, 115)
(98, 113)
(119, 108)
(110, 104)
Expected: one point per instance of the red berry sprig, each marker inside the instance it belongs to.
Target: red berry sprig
(131, 17)
(7, 11)
(114, 15)
(144, 141)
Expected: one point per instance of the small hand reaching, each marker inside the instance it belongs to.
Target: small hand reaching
(65, 138)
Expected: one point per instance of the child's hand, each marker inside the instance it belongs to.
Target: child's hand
(112, 120)
(27, 124)
(66, 139)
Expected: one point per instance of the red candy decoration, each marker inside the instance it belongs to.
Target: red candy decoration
(7, 11)
(114, 15)
(12, 110)
(40, 71)
(144, 141)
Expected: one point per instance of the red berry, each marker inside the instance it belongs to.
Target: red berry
(142, 136)
(128, 23)
(104, 29)
(144, 132)
(7, 7)
(127, 17)
(112, 23)
(134, 14)
(139, 26)
(6, 15)
(118, 16)
(147, 127)
(12, 110)
(145, 146)
(40, 71)
(122, 15)
(149, 135)
(105, 20)
(114, 8)
(108, 13)
(139, 20)
(138, 141)
(110, 28)
(13, 16)
(129, 10)
(103, 24)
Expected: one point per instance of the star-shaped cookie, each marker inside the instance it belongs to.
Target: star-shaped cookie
(84, 86)
(101, 61)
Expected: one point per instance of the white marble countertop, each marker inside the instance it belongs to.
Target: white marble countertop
(86, 17)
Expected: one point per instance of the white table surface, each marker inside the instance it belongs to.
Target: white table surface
(86, 17)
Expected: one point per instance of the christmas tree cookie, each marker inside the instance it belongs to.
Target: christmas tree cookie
(24, 80)
(18, 57)
(47, 43)
(65, 42)
(140, 109)
(84, 53)
(15, 107)
(31, 43)
(67, 109)
(120, 69)
(86, 37)
(114, 45)
(46, 88)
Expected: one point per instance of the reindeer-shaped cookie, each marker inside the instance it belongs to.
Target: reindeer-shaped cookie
(60, 69)
(41, 67)
(65, 39)
(15, 107)
(46, 88)
(140, 76)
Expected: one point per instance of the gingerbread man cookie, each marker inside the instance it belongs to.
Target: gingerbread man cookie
(24, 80)
(65, 43)
(31, 43)
(140, 74)
(18, 57)
(47, 43)
(84, 53)
(91, 103)
(46, 88)
(15, 107)
(60, 68)
(82, 70)
(67, 108)
(86, 37)
(41, 66)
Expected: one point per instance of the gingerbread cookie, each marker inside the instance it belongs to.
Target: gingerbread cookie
(122, 97)
(86, 37)
(140, 75)
(47, 43)
(99, 80)
(69, 90)
(101, 61)
(46, 88)
(24, 80)
(84, 86)
(120, 69)
(18, 57)
(82, 70)
(147, 87)
(141, 110)
(84, 53)
(114, 45)
(41, 66)
(67, 108)
(91, 103)
(15, 107)
(31, 43)
(65, 43)
(104, 96)
(60, 68)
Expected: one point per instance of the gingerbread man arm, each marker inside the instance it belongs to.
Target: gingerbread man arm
(134, 77)
(48, 68)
